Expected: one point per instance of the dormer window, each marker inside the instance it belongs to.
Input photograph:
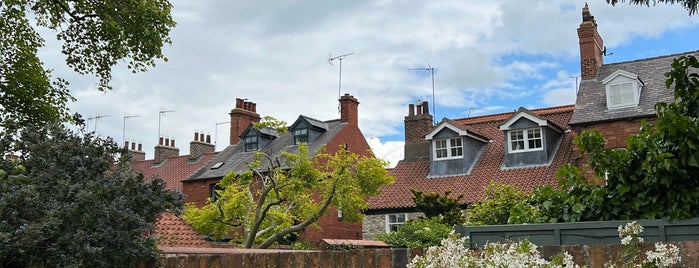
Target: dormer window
(448, 148)
(623, 89)
(251, 144)
(525, 140)
(300, 135)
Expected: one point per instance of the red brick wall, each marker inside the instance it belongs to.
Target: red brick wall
(198, 192)
(589, 255)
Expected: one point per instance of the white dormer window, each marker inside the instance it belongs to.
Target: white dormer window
(623, 89)
(448, 148)
(525, 140)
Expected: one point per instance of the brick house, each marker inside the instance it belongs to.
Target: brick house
(199, 186)
(615, 98)
(522, 148)
(612, 98)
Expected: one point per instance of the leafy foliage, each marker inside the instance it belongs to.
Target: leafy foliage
(417, 233)
(96, 36)
(272, 200)
(655, 175)
(689, 5)
(64, 203)
(433, 205)
(502, 204)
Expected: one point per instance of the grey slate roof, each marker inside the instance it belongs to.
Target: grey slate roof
(235, 158)
(591, 102)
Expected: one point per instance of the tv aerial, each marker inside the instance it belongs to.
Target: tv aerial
(338, 58)
(434, 104)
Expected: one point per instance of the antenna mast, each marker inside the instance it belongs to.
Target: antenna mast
(97, 117)
(434, 104)
(160, 114)
(123, 132)
(339, 58)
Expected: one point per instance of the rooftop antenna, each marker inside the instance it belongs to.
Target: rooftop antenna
(339, 83)
(216, 130)
(434, 104)
(604, 52)
(470, 109)
(160, 114)
(98, 116)
(576, 82)
(123, 132)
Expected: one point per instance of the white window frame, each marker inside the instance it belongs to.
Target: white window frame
(250, 142)
(623, 89)
(397, 224)
(454, 148)
(525, 140)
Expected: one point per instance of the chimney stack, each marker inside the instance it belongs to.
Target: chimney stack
(348, 110)
(135, 154)
(417, 124)
(165, 150)
(242, 116)
(591, 45)
(200, 146)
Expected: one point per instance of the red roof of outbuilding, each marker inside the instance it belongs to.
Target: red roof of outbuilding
(490, 165)
(173, 231)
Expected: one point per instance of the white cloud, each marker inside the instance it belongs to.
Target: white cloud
(275, 54)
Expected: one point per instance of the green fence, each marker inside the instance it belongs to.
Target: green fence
(580, 233)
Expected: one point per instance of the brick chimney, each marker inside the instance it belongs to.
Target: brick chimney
(164, 150)
(417, 124)
(136, 154)
(348, 110)
(242, 116)
(591, 45)
(199, 146)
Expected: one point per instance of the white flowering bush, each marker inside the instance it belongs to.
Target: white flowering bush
(454, 252)
(664, 255)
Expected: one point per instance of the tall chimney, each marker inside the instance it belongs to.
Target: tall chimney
(242, 116)
(165, 151)
(199, 147)
(417, 125)
(591, 45)
(348, 110)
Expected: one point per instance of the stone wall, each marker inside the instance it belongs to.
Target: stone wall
(376, 224)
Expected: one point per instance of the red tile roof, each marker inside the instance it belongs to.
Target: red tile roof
(173, 170)
(173, 231)
(414, 174)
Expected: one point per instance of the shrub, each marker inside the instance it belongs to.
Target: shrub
(417, 233)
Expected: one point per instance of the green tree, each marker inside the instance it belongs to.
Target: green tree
(690, 5)
(655, 175)
(502, 204)
(64, 203)
(446, 209)
(96, 35)
(280, 197)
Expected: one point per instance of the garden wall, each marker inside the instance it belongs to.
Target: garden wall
(590, 255)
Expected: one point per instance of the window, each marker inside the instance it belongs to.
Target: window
(251, 144)
(525, 140)
(394, 221)
(448, 148)
(300, 135)
(212, 191)
(621, 95)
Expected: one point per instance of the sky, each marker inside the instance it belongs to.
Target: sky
(488, 57)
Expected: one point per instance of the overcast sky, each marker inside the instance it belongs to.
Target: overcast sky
(489, 57)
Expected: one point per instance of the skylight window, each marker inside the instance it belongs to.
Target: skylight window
(217, 165)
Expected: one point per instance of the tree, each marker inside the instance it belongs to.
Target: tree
(280, 197)
(63, 203)
(96, 36)
(446, 209)
(418, 233)
(690, 5)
